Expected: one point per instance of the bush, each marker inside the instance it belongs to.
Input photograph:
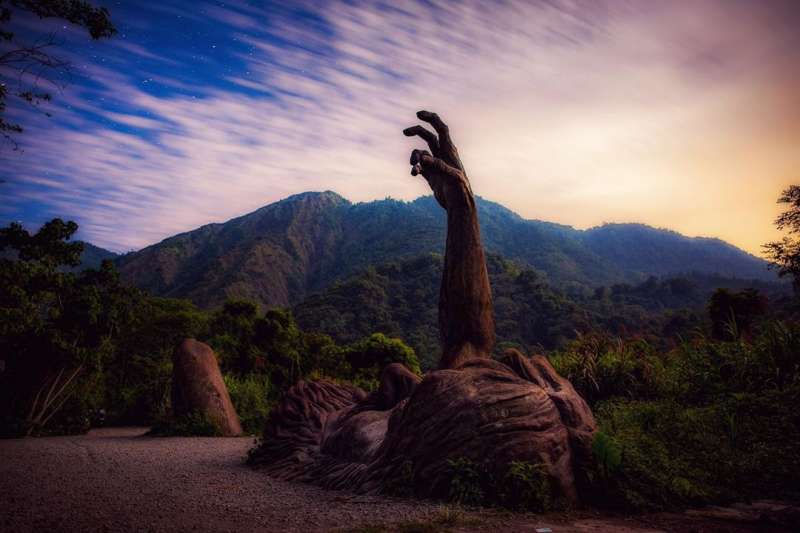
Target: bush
(600, 367)
(195, 424)
(466, 481)
(673, 455)
(522, 486)
(527, 487)
(607, 455)
(250, 398)
(711, 421)
(370, 355)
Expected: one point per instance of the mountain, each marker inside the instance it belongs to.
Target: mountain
(641, 248)
(285, 251)
(93, 255)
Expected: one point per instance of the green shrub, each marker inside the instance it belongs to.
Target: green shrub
(715, 422)
(607, 455)
(466, 481)
(195, 424)
(602, 367)
(371, 354)
(250, 399)
(521, 486)
(526, 487)
(673, 455)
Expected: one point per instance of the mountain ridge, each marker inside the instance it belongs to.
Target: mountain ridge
(286, 250)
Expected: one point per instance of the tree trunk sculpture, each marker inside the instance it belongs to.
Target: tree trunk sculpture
(406, 436)
(466, 324)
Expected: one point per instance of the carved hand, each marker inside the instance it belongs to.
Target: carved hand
(441, 167)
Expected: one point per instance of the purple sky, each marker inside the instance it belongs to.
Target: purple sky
(680, 114)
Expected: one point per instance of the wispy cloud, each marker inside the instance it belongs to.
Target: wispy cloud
(676, 114)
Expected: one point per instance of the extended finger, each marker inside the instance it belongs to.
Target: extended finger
(428, 136)
(438, 125)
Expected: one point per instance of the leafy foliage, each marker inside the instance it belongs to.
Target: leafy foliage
(601, 366)
(733, 314)
(711, 420)
(55, 327)
(607, 454)
(785, 254)
(399, 299)
(520, 485)
(250, 396)
(465, 481)
(74, 344)
(527, 487)
(195, 424)
(32, 63)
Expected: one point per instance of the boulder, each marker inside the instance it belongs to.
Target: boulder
(197, 386)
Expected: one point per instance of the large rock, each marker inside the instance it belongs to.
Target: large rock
(197, 386)
(491, 413)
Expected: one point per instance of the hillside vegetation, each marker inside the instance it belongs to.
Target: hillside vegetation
(281, 253)
(400, 299)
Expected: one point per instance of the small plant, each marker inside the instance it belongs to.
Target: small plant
(465, 482)
(607, 454)
(195, 424)
(527, 487)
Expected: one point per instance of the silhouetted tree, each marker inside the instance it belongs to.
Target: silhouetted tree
(785, 254)
(56, 327)
(34, 62)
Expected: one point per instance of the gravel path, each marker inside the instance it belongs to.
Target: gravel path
(118, 480)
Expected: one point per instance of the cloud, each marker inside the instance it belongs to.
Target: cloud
(675, 114)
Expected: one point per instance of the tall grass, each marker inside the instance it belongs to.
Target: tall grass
(708, 421)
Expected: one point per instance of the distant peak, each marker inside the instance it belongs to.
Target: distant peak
(317, 195)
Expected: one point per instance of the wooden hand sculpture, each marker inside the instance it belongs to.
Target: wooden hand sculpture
(466, 323)
(406, 433)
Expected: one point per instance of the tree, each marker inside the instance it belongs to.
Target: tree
(31, 63)
(734, 313)
(371, 354)
(41, 363)
(785, 254)
(58, 329)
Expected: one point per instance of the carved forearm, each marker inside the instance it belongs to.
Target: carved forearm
(466, 324)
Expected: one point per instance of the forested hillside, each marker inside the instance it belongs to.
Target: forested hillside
(281, 253)
(400, 299)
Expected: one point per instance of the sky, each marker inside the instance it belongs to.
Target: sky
(680, 114)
